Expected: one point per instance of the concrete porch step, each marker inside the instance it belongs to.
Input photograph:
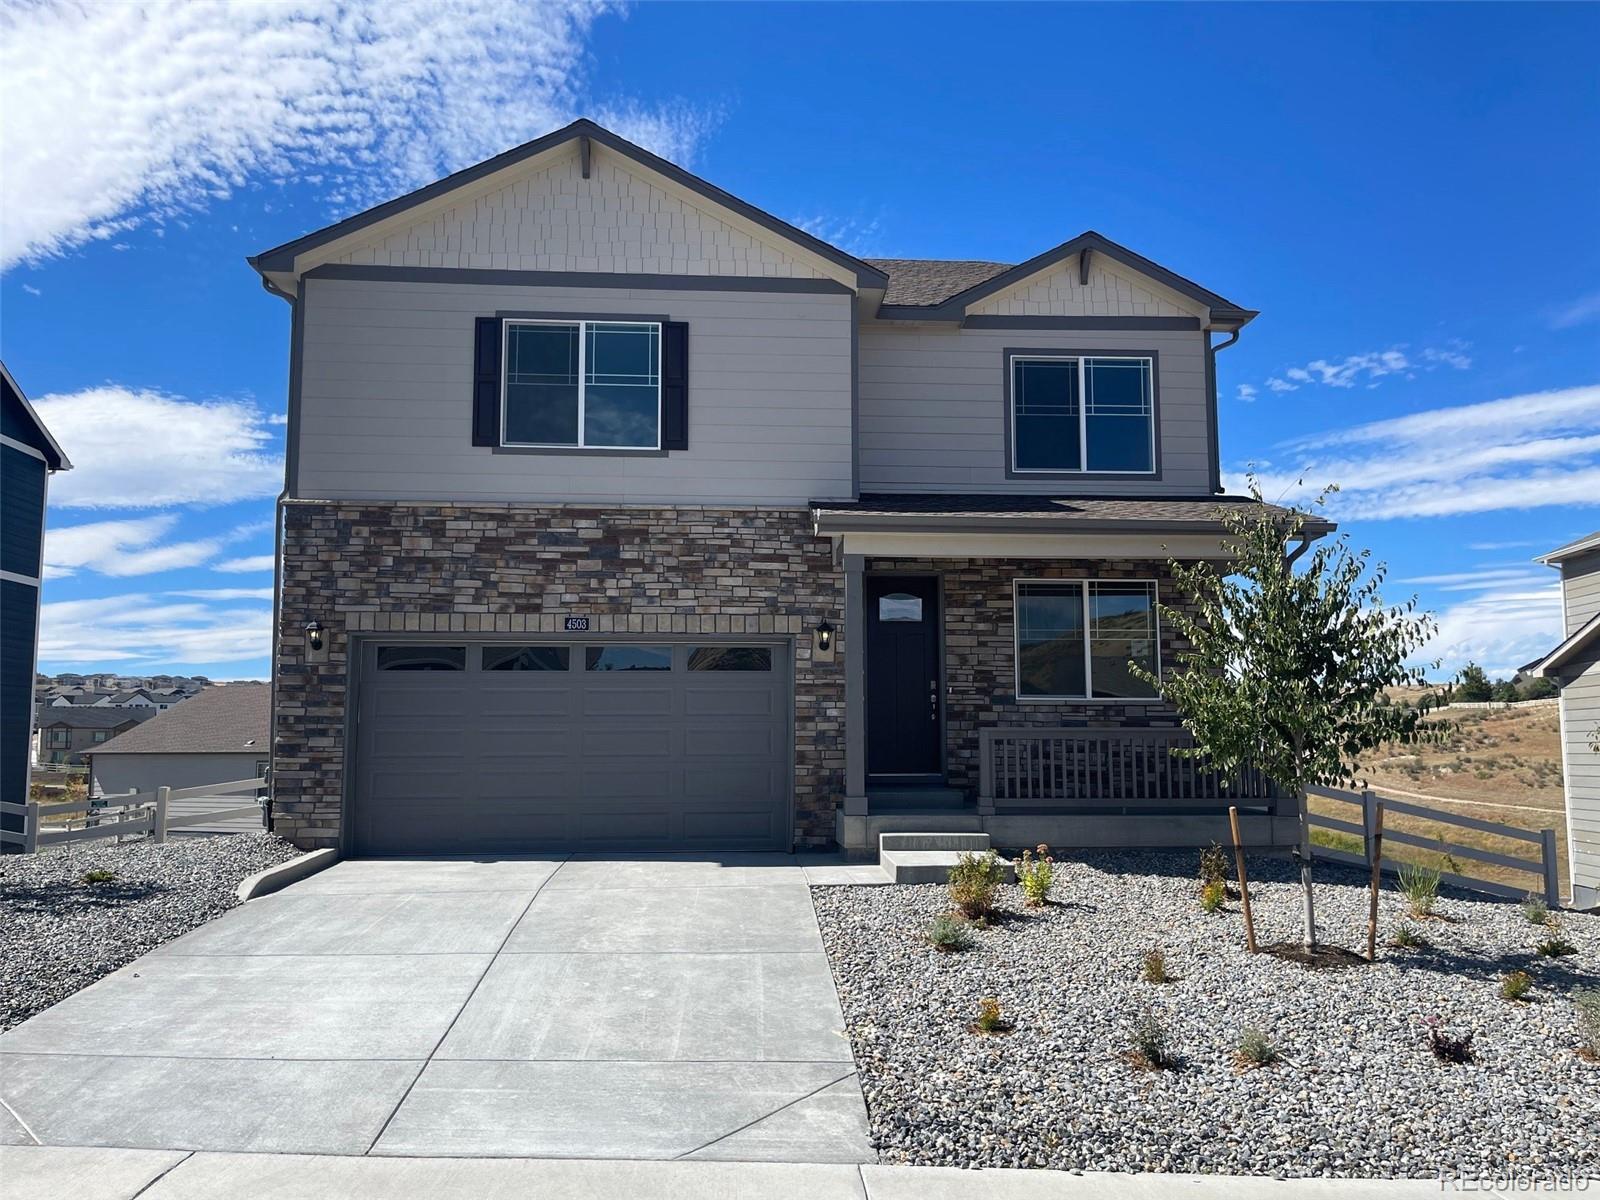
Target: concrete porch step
(928, 857)
(907, 799)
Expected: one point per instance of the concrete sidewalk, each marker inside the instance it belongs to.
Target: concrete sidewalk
(98, 1173)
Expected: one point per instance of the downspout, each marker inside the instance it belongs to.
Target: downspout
(1211, 386)
(277, 549)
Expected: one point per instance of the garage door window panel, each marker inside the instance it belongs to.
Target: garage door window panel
(527, 658)
(422, 658)
(730, 658)
(627, 658)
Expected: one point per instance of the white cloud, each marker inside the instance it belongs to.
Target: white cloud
(1503, 545)
(31, 290)
(1366, 369)
(143, 449)
(1528, 451)
(122, 114)
(132, 547)
(226, 593)
(1247, 393)
(1499, 630)
(241, 566)
(1580, 312)
(859, 236)
(143, 629)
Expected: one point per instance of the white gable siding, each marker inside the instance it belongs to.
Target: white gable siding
(1112, 291)
(386, 397)
(1580, 716)
(1580, 590)
(556, 220)
(933, 413)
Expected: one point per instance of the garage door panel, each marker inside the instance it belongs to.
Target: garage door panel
(514, 760)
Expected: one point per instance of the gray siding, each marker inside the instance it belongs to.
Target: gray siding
(1580, 715)
(1580, 590)
(146, 772)
(386, 398)
(933, 413)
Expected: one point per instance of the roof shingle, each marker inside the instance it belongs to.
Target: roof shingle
(926, 282)
(231, 719)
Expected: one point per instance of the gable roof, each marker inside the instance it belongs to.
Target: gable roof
(1588, 542)
(86, 716)
(23, 424)
(282, 258)
(927, 281)
(231, 719)
(953, 306)
(1583, 637)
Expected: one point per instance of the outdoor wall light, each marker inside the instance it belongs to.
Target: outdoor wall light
(314, 637)
(825, 638)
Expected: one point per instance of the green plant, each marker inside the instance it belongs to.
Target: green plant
(974, 880)
(99, 875)
(1587, 1003)
(1285, 657)
(1149, 1047)
(1515, 985)
(1472, 685)
(1419, 884)
(1408, 938)
(1255, 1050)
(1213, 865)
(1536, 910)
(989, 1018)
(1446, 1046)
(1037, 875)
(1212, 894)
(950, 934)
(1556, 944)
(1155, 967)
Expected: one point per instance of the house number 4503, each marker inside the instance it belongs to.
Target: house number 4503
(577, 625)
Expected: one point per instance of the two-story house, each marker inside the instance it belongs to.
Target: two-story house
(620, 514)
(1574, 665)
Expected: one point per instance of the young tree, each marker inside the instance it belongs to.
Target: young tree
(1473, 684)
(1288, 662)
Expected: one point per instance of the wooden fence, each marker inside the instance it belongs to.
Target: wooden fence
(1545, 867)
(124, 815)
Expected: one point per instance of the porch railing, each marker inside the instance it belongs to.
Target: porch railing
(1086, 770)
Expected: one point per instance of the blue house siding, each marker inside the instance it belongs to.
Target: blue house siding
(19, 612)
(22, 482)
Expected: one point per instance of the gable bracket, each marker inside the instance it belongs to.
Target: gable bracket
(1083, 266)
(583, 154)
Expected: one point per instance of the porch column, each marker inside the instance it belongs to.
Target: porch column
(855, 687)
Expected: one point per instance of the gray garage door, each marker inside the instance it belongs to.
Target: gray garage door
(467, 748)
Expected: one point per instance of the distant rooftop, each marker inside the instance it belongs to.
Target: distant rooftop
(230, 719)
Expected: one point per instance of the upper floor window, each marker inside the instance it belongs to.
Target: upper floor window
(582, 384)
(1082, 413)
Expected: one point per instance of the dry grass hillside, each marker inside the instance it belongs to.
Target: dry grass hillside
(1500, 765)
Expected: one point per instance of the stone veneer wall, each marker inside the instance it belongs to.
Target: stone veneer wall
(980, 651)
(513, 568)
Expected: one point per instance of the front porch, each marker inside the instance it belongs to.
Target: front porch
(988, 685)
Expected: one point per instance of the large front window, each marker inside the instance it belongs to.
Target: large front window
(1076, 639)
(582, 384)
(1082, 413)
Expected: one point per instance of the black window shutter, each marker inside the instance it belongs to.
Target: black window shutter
(486, 383)
(675, 385)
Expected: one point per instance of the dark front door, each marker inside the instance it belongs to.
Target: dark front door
(903, 702)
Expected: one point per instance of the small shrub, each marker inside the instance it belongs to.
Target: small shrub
(950, 934)
(1515, 985)
(1148, 1046)
(1255, 1050)
(1420, 886)
(1155, 967)
(1446, 1046)
(1536, 910)
(99, 875)
(989, 1018)
(973, 882)
(1587, 1003)
(1212, 895)
(1407, 938)
(1213, 866)
(1037, 875)
(1556, 944)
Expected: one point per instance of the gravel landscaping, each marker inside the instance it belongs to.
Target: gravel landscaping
(1356, 1093)
(59, 933)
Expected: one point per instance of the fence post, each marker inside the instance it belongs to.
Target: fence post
(1368, 824)
(1552, 872)
(159, 832)
(30, 828)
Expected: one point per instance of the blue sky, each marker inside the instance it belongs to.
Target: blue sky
(1406, 192)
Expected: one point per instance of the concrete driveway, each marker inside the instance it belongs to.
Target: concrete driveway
(650, 1008)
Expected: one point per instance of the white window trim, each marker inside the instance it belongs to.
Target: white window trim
(581, 324)
(1083, 412)
(1088, 643)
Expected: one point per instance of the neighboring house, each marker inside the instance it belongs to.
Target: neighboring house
(64, 734)
(219, 736)
(28, 457)
(620, 514)
(137, 698)
(1574, 665)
